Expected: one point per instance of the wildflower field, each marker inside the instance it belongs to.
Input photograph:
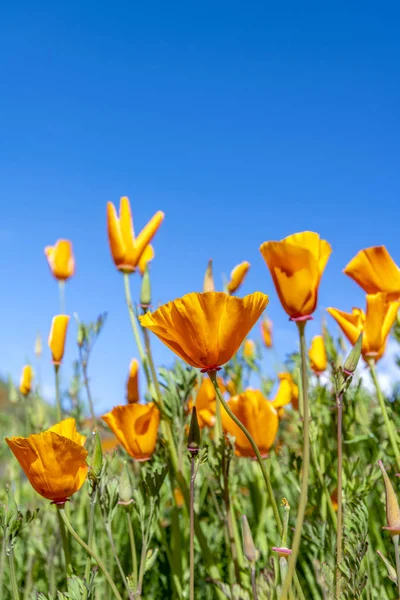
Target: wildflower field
(215, 481)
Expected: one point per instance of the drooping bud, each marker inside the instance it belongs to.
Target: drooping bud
(392, 505)
(208, 285)
(145, 290)
(193, 443)
(249, 548)
(351, 362)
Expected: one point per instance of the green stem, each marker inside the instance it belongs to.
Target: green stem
(388, 424)
(191, 541)
(218, 424)
(396, 552)
(212, 375)
(2, 560)
(65, 545)
(13, 578)
(339, 530)
(61, 289)
(58, 394)
(84, 366)
(253, 582)
(80, 541)
(306, 466)
(135, 328)
(229, 519)
(90, 540)
(324, 487)
(145, 545)
(115, 554)
(133, 549)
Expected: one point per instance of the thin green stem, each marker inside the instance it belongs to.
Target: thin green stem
(145, 545)
(65, 545)
(213, 377)
(253, 582)
(13, 577)
(61, 289)
(89, 550)
(382, 404)
(135, 328)
(58, 393)
(218, 424)
(396, 552)
(115, 554)
(133, 549)
(84, 366)
(191, 541)
(90, 539)
(306, 466)
(2, 560)
(339, 529)
(229, 520)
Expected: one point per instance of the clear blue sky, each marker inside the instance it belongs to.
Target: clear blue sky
(243, 122)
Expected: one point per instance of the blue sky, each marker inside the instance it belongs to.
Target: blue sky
(243, 122)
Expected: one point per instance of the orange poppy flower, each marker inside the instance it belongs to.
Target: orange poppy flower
(375, 271)
(206, 329)
(287, 392)
(61, 259)
(132, 385)
(57, 336)
(54, 461)
(25, 384)
(266, 332)
(136, 427)
(127, 250)
(237, 277)
(375, 324)
(317, 355)
(296, 264)
(258, 416)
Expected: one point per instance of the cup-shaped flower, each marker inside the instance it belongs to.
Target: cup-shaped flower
(258, 416)
(296, 264)
(287, 392)
(146, 257)
(238, 274)
(266, 332)
(317, 355)
(375, 324)
(205, 329)
(392, 505)
(25, 384)
(136, 427)
(54, 461)
(61, 259)
(375, 271)
(132, 384)
(126, 249)
(57, 337)
(249, 349)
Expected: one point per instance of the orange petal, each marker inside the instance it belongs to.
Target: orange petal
(132, 385)
(25, 384)
(136, 427)
(115, 238)
(317, 354)
(57, 337)
(375, 271)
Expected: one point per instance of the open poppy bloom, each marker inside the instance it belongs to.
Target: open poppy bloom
(266, 332)
(54, 461)
(287, 393)
(317, 355)
(375, 271)
(136, 427)
(132, 385)
(57, 336)
(237, 277)
(296, 264)
(205, 329)
(61, 259)
(126, 250)
(25, 384)
(258, 416)
(375, 324)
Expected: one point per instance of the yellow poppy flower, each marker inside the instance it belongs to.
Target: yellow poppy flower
(287, 392)
(375, 271)
(206, 329)
(127, 250)
(25, 384)
(296, 264)
(249, 349)
(61, 259)
(132, 385)
(266, 332)
(54, 461)
(317, 355)
(258, 416)
(375, 324)
(136, 427)
(237, 276)
(57, 336)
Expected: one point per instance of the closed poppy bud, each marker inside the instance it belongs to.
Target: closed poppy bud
(266, 332)
(146, 257)
(249, 349)
(375, 271)
(392, 505)
(54, 461)
(125, 486)
(58, 333)
(207, 329)
(132, 385)
(126, 249)
(38, 346)
(351, 362)
(25, 384)
(375, 324)
(249, 548)
(145, 289)
(208, 285)
(258, 416)
(237, 277)
(296, 264)
(194, 438)
(136, 427)
(317, 355)
(61, 259)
